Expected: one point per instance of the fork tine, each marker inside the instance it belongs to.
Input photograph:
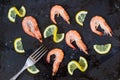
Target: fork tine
(41, 56)
(36, 51)
(41, 53)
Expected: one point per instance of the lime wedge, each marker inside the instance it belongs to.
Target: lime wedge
(22, 11)
(49, 31)
(13, 11)
(58, 37)
(80, 17)
(18, 46)
(33, 69)
(83, 64)
(102, 49)
(12, 14)
(52, 30)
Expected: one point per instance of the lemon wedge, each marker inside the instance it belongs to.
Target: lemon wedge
(33, 69)
(52, 30)
(12, 14)
(83, 64)
(80, 17)
(49, 31)
(72, 66)
(58, 37)
(22, 12)
(13, 11)
(18, 46)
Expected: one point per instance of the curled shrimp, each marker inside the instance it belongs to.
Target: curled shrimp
(30, 27)
(73, 35)
(59, 10)
(59, 55)
(98, 20)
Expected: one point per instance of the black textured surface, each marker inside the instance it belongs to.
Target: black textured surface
(101, 67)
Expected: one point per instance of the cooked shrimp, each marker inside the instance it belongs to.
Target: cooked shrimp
(30, 27)
(98, 20)
(59, 55)
(73, 35)
(59, 10)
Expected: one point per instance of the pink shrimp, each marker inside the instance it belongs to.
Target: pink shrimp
(59, 55)
(98, 20)
(59, 10)
(73, 35)
(30, 27)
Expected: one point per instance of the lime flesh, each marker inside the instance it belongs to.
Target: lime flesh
(49, 31)
(18, 46)
(80, 17)
(22, 11)
(58, 37)
(33, 69)
(52, 30)
(102, 49)
(83, 64)
(72, 66)
(13, 12)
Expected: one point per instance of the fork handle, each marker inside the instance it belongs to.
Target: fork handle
(15, 76)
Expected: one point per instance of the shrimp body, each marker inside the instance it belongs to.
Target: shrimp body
(99, 21)
(59, 10)
(30, 27)
(73, 35)
(59, 55)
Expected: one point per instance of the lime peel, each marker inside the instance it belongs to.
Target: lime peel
(23, 10)
(81, 60)
(33, 69)
(18, 43)
(75, 65)
(58, 39)
(82, 65)
(49, 30)
(102, 49)
(52, 30)
(13, 11)
(82, 15)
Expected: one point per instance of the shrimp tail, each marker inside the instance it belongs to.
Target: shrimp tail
(55, 67)
(68, 21)
(86, 52)
(82, 46)
(65, 16)
(40, 40)
(110, 34)
(38, 36)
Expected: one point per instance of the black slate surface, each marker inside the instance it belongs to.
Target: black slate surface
(101, 67)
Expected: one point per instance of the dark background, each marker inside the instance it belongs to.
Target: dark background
(101, 67)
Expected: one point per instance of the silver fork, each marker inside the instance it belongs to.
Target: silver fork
(32, 59)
